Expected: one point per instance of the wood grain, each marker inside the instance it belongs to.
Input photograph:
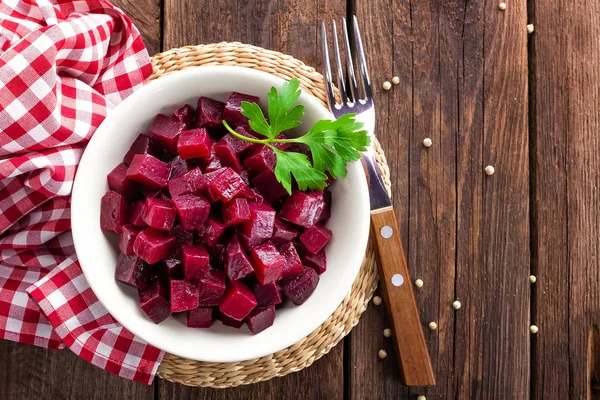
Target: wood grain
(146, 16)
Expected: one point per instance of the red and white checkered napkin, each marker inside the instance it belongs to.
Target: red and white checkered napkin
(63, 65)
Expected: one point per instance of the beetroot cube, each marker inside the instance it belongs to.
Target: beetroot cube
(194, 143)
(118, 181)
(251, 194)
(179, 167)
(182, 237)
(192, 209)
(184, 114)
(133, 271)
(200, 317)
(261, 159)
(165, 131)
(238, 301)
(211, 288)
(302, 209)
(283, 232)
(235, 212)
(267, 295)
(184, 295)
(281, 145)
(326, 214)
(315, 238)
(299, 288)
(227, 155)
(233, 109)
(114, 212)
(250, 242)
(238, 145)
(127, 237)
(293, 264)
(230, 321)
(268, 186)
(195, 180)
(237, 263)
(154, 302)
(262, 220)
(159, 214)
(149, 171)
(260, 319)
(152, 245)
(213, 164)
(209, 113)
(318, 261)
(141, 145)
(137, 214)
(179, 186)
(171, 268)
(196, 262)
(153, 193)
(226, 185)
(267, 262)
(211, 231)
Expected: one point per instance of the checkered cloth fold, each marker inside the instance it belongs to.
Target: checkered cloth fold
(63, 65)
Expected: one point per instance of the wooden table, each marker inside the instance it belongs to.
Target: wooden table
(486, 93)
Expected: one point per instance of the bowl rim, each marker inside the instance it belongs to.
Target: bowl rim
(78, 212)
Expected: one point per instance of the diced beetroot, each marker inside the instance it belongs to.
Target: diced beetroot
(211, 288)
(267, 263)
(127, 237)
(315, 238)
(267, 295)
(281, 145)
(209, 112)
(184, 295)
(159, 214)
(200, 317)
(194, 143)
(118, 181)
(149, 171)
(262, 220)
(251, 194)
(235, 212)
(195, 180)
(179, 186)
(211, 231)
(179, 167)
(137, 214)
(302, 209)
(260, 319)
(245, 175)
(233, 109)
(268, 186)
(227, 155)
(283, 232)
(299, 288)
(293, 264)
(238, 145)
(165, 131)
(171, 268)
(260, 160)
(154, 193)
(230, 321)
(141, 145)
(237, 263)
(155, 303)
(192, 209)
(326, 214)
(182, 237)
(318, 261)
(196, 262)
(249, 242)
(238, 301)
(184, 114)
(226, 185)
(114, 212)
(213, 164)
(152, 245)
(133, 271)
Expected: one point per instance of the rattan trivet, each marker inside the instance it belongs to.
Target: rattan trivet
(345, 317)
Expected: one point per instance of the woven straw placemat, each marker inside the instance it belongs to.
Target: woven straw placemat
(321, 340)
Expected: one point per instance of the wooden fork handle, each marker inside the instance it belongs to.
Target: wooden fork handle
(400, 301)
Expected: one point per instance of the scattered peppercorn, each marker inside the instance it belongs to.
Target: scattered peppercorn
(456, 305)
(387, 332)
(377, 300)
(427, 142)
(395, 80)
(529, 28)
(387, 85)
(532, 278)
(432, 326)
(419, 283)
(490, 170)
(382, 354)
(502, 6)
(533, 329)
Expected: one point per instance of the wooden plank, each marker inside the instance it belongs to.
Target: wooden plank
(28, 372)
(566, 192)
(290, 27)
(145, 14)
(467, 236)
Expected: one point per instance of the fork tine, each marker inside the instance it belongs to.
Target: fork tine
(338, 61)
(362, 62)
(327, 69)
(350, 64)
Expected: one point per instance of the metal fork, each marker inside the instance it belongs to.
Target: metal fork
(393, 271)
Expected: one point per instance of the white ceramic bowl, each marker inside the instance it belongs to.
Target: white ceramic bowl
(98, 253)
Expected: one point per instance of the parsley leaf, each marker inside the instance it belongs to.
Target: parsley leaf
(297, 164)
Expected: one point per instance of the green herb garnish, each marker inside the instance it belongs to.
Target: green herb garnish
(332, 143)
